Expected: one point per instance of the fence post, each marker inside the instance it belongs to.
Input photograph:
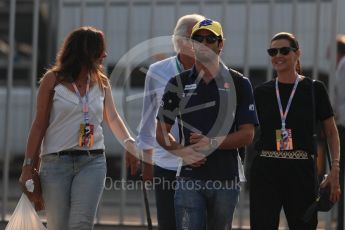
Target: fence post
(8, 120)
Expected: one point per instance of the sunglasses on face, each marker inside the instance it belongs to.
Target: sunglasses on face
(210, 39)
(283, 50)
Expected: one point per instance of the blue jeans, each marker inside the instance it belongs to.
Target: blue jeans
(199, 202)
(72, 187)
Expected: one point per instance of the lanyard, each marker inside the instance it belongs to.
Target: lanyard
(85, 103)
(178, 65)
(283, 115)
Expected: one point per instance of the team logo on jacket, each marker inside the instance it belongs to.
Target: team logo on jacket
(226, 85)
(189, 87)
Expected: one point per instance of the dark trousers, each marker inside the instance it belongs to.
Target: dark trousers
(281, 183)
(341, 130)
(164, 192)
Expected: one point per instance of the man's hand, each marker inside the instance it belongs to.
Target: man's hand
(147, 165)
(168, 142)
(332, 180)
(191, 157)
(132, 160)
(200, 142)
(147, 171)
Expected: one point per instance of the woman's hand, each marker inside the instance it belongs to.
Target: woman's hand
(26, 175)
(35, 196)
(332, 180)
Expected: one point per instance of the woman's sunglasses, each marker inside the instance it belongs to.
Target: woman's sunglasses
(283, 50)
(210, 39)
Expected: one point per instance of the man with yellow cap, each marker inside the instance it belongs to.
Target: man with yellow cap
(159, 165)
(215, 111)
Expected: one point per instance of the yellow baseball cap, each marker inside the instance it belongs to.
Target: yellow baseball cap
(210, 25)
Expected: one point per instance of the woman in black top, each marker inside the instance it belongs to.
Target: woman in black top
(282, 175)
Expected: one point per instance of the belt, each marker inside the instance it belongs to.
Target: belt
(295, 154)
(79, 152)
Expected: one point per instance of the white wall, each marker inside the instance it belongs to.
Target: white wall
(231, 14)
(341, 13)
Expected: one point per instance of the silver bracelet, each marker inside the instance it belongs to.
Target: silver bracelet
(131, 139)
(28, 162)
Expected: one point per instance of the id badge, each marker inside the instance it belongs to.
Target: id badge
(86, 137)
(284, 139)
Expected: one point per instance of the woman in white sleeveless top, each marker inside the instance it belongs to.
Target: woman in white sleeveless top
(73, 99)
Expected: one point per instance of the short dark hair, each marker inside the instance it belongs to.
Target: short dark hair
(341, 44)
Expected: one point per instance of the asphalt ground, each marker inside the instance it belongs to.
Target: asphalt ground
(132, 215)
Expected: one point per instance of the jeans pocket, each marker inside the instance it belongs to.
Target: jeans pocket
(98, 159)
(50, 158)
(96, 156)
(52, 164)
(94, 161)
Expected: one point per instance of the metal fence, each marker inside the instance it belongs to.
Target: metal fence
(248, 26)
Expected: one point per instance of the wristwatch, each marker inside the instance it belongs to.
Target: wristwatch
(28, 162)
(213, 143)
